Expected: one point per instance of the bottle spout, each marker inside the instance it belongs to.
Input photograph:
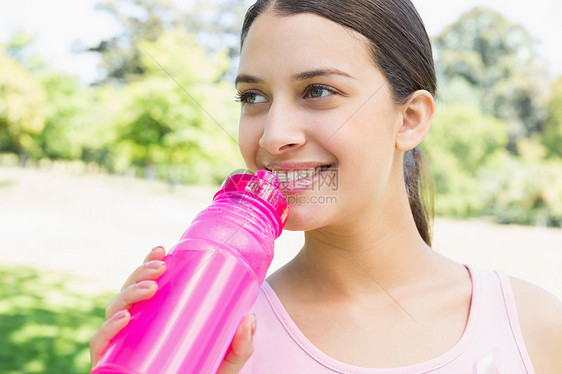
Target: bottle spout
(263, 185)
(269, 177)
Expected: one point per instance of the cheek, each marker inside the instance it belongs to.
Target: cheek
(365, 145)
(377, 131)
(328, 129)
(249, 135)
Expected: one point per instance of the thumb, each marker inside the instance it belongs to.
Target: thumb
(241, 348)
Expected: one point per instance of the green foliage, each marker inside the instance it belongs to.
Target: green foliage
(21, 107)
(17, 48)
(474, 175)
(497, 58)
(140, 20)
(491, 47)
(45, 324)
(69, 115)
(214, 23)
(98, 125)
(175, 121)
(484, 145)
(461, 140)
(552, 135)
(525, 190)
(179, 115)
(166, 109)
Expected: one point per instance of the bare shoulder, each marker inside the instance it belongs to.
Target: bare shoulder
(540, 317)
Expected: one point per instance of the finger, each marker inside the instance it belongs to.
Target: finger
(241, 348)
(105, 333)
(151, 269)
(131, 295)
(157, 253)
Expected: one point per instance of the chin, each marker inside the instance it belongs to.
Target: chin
(300, 227)
(302, 220)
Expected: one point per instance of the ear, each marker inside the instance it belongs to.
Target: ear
(417, 115)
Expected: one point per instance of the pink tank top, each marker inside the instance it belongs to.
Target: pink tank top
(492, 342)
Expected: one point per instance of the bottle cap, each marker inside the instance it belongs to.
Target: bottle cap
(263, 185)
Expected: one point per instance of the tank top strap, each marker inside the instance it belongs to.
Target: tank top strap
(511, 311)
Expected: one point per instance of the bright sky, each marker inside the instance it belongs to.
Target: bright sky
(59, 23)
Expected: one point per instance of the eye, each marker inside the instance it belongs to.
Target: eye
(319, 90)
(250, 97)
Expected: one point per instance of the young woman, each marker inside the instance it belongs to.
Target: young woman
(345, 89)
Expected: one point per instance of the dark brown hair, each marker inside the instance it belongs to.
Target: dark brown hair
(401, 49)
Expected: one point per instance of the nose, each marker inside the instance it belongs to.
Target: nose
(284, 129)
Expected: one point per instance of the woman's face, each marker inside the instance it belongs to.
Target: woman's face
(317, 111)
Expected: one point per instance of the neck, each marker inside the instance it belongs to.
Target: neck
(375, 252)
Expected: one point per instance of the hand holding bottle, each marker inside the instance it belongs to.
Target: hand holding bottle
(191, 320)
(141, 286)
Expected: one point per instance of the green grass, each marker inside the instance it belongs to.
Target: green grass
(45, 322)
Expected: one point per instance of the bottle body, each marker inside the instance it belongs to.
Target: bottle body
(182, 329)
(212, 279)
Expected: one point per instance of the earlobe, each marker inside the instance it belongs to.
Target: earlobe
(417, 115)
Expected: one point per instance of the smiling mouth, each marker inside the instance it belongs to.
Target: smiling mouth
(292, 175)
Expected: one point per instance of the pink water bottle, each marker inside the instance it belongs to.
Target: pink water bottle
(212, 279)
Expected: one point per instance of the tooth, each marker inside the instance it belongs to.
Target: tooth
(286, 176)
(293, 175)
(311, 172)
(281, 175)
(305, 173)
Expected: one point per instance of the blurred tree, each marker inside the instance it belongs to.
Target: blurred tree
(461, 141)
(524, 190)
(214, 22)
(139, 19)
(68, 109)
(99, 127)
(552, 135)
(21, 108)
(69, 116)
(497, 57)
(18, 48)
(180, 118)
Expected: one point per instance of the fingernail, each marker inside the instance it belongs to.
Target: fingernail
(156, 248)
(253, 327)
(155, 265)
(145, 285)
(119, 315)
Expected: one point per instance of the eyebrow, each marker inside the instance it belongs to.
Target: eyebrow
(246, 78)
(319, 73)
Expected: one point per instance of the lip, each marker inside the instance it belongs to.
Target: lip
(300, 185)
(295, 165)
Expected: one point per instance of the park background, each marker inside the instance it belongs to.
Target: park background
(118, 122)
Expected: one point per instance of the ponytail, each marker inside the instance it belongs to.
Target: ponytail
(419, 186)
